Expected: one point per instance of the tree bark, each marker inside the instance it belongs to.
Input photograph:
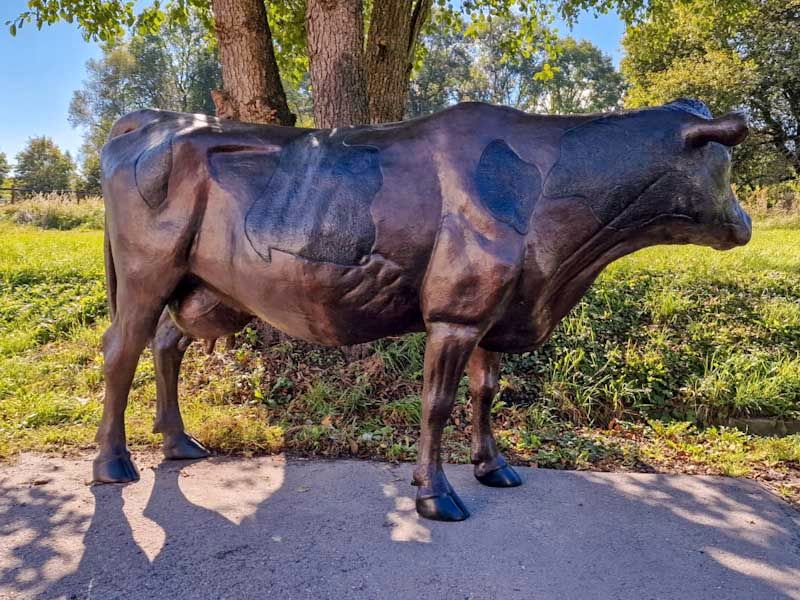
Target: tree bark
(252, 89)
(395, 26)
(335, 30)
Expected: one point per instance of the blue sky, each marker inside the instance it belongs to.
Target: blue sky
(38, 72)
(604, 31)
(40, 69)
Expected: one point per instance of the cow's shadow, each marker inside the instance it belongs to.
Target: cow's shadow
(314, 532)
(180, 540)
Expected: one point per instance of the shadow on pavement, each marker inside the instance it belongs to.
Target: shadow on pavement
(265, 527)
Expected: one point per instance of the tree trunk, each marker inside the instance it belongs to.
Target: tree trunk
(253, 91)
(394, 28)
(335, 30)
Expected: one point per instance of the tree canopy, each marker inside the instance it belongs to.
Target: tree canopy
(359, 53)
(575, 76)
(43, 167)
(745, 56)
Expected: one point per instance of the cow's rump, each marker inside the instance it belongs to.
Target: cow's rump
(317, 202)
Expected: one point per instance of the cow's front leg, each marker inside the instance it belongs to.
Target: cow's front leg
(490, 466)
(446, 353)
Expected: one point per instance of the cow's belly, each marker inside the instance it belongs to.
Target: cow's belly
(521, 329)
(337, 305)
(326, 303)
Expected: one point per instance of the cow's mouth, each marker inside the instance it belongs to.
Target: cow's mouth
(735, 234)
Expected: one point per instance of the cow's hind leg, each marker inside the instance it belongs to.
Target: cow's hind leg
(138, 306)
(446, 353)
(490, 466)
(169, 345)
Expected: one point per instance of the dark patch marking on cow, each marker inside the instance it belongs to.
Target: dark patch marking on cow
(507, 185)
(237, 169)
(317, 203)
(152, 171)
(609, 162)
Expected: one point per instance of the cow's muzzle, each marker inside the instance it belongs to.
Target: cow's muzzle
(737, 228)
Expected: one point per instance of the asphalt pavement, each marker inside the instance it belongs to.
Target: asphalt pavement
(273, 527)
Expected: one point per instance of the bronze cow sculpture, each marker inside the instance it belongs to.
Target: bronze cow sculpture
(481, 225)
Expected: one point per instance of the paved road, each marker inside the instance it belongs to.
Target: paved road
(271, 528)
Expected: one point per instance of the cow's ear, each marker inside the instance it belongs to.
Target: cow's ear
(729, 130)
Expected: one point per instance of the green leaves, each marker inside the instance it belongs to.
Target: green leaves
(721, 78)
(545, 74)
(5, 168)
(739, 54)
(107, 20)
(506, 63)
(103, 20)
(287, 23)
(42, 166)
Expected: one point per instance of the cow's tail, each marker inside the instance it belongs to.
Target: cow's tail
(111, 275)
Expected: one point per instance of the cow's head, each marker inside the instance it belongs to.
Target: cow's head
(663, 171)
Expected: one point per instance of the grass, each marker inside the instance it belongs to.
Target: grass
(679, 332)
(51, 283)
(643, 375)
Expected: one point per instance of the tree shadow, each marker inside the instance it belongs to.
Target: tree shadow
(736, 525)
(330, 529)
(37, 517)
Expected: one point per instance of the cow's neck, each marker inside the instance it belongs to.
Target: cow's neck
(577, 267)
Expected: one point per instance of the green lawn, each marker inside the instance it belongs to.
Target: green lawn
(51, 283)
(666, 337)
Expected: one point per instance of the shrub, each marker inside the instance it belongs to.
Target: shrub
(55, 211)
(781, 198)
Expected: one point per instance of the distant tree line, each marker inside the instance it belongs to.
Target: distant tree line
(40, 167)
(555, 75)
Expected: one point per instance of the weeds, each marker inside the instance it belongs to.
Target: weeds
(55, 211)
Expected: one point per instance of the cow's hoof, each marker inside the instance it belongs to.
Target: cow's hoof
(182, 446)
(114, 469)
(444, 507)
(502, 477)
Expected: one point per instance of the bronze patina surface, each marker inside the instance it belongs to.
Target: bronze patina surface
(481, 225)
